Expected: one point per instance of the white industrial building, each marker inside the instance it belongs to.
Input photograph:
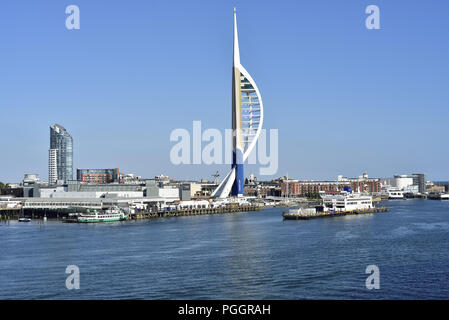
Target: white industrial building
(403, 181)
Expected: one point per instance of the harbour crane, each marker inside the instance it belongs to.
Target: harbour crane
(216, 175)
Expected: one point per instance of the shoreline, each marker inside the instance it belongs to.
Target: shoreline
(63, 214)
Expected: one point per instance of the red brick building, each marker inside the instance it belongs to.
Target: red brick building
(98, 176)
(300, 188)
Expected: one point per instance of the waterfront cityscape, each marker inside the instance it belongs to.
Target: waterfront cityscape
(96, 188)
(237, 232)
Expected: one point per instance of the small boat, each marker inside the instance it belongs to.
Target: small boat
(438, 196)
(24, 220)
(444, 196)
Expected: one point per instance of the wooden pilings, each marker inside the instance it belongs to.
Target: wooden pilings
(192, 212)
(14, 214)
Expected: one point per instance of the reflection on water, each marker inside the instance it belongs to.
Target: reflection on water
(237, 256)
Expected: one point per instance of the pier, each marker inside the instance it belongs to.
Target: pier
(16, 213)
(329, 214)
(191, 212)
(64, 214)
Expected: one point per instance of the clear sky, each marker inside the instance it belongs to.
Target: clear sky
(344, 98)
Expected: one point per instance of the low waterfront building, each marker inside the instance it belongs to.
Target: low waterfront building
(64, 203)
(8, 202)
(47, 192)
(157, 190)
(198, 189)
(436, 188)
(192, 204)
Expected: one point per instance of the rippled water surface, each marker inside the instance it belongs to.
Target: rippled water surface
(252, 255)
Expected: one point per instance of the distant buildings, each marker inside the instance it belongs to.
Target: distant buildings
(300, 188)
(60, 155)
(130, 179)
(436, 188)
(263, 189)
(419, 179)
(31, 185)
(403, 181)
(98, 176)
(409, 183)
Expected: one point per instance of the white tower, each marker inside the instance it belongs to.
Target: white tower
(247, 120)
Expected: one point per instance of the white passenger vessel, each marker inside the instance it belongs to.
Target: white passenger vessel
(112, 214)
(337, 201)
(394, 193)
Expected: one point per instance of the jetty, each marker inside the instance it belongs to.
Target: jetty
(66, 215)
(192, 212)
(329, 214)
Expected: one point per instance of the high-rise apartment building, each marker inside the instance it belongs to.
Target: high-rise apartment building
(52, 166)
(419, 179)
(60, 160)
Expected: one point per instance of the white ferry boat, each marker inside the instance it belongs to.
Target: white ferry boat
(395, 193)
(113, 214)
(337, 201)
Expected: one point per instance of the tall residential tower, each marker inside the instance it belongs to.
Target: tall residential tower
(247, 119)
(60, 155)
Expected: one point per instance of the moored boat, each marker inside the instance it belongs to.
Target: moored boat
(444, 196)
(438, 196)
(336, 203)
(394, 193)
(110, 215)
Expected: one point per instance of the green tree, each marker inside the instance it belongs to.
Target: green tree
(2, 185)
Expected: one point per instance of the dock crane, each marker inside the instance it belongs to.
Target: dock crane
(216, 175)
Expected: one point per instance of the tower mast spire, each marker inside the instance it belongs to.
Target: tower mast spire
(236, 42)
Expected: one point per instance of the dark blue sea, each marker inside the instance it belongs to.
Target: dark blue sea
(252, 255)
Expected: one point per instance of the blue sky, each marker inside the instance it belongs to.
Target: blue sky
(345, 99)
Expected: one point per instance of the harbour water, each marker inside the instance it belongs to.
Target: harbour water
(253, 255)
